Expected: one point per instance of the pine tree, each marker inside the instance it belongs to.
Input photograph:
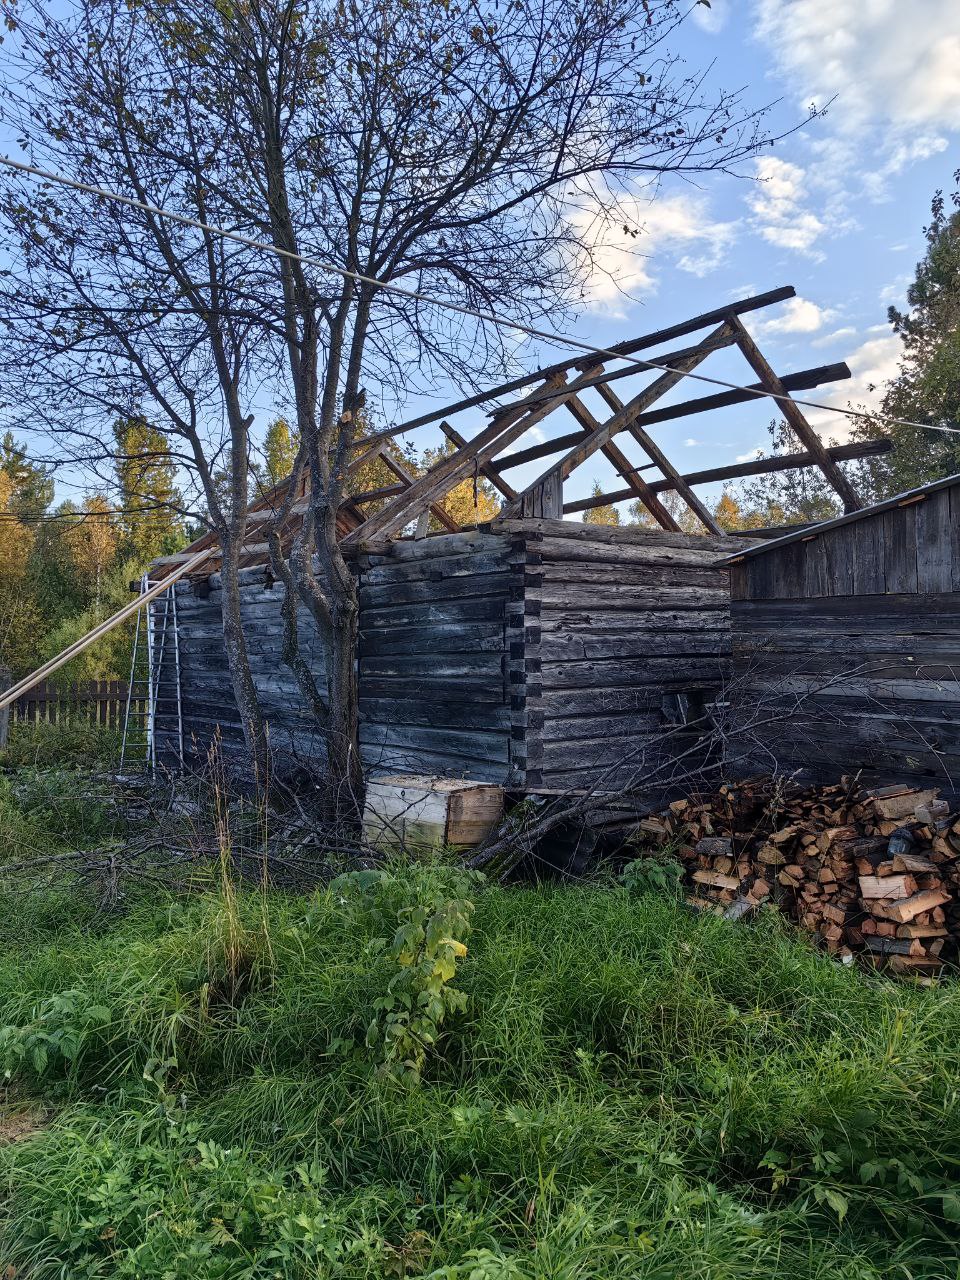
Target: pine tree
(19, 617)
(927, 386)
(146, 473)
(605, 514)
(31, 487)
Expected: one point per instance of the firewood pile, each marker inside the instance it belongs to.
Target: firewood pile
(867, 871)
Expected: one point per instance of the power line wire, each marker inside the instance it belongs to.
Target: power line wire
(488, 317)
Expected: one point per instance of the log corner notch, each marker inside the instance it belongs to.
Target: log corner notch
(570, 386)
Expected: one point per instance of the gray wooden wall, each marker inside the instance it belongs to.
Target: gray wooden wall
(848, 645)
(206, 690)
(621, 626)
(434, 684)
(547, 654)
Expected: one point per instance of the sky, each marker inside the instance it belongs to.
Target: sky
(837, 209)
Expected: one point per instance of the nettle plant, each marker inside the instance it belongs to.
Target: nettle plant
(432, 917)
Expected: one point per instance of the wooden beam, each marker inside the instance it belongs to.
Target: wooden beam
(653, 450)
(805, 433)
(800, 381)
(584, 360)
(401, 472)
(621, 421)
(625, 468)
(737, 471)
(449, 471)
(454, 436)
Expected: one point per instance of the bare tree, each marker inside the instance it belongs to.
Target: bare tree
(473, 154)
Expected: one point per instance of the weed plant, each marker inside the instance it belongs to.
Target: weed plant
(623, 1090)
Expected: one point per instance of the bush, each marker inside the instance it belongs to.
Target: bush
(73, 741)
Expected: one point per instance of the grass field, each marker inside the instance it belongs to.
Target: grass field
(415, 1074)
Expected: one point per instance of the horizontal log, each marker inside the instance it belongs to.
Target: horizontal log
(736, 471)
(615, 534)
(803, 380)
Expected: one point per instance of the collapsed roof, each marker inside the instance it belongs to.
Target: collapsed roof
(583, 388)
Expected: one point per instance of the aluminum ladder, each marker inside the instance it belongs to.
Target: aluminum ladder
(154, 680)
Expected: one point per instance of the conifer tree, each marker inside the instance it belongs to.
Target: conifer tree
(150, 501)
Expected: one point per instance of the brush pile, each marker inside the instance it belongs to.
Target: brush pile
(867, 871)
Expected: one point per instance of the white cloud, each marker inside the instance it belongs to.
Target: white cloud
(678, 229)
(891, 67)
(711, 17)
(872, 365)
(749, 457)
(838, 335)
(781, 211)
(797, 315)
(690, 443)
(896, 290)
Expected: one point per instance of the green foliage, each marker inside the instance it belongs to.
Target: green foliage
(927, 386)
(280, 447)
(66, 804)
(74, 740)
(150, 500)
(629, 1091)
(606, 514)
(653, 874)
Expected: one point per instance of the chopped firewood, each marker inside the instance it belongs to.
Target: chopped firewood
(904, 911)
(914, 862)
(928, 812)
(902, 805)
(921, 931)
(717, 879)
(714, 848)
(887, 886)
(871, 873)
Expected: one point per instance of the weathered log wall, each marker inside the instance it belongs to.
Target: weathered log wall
(540, 654)
(206, 691)
(625, 633)
(434, 687)
(847, 645)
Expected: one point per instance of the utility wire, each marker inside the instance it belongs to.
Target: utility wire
(488, 317)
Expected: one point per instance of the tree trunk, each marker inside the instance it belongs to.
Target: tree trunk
(238, 661)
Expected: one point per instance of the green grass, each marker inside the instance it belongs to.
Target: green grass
(630, 1092)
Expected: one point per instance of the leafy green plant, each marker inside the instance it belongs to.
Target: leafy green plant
(54, 1035)
(653, 874)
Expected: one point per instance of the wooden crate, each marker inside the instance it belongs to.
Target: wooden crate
(420, 812)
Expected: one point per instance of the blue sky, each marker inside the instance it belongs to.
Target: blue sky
(836, 210)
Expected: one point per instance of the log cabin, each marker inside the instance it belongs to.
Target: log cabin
(533, 651)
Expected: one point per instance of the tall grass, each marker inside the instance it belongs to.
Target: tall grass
(630, 1092)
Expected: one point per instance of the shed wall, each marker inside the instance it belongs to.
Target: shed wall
(624, 631)
(848, 646)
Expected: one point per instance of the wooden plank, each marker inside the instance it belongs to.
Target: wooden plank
(839, 547)
(900, 549)
(682, 362)
(794, 416)
(740, 307)
(624, 468)
(615, 535)
(934, 543)
(657, 455)
(486, 470)
(762, 466)
(449, 471)
(869, 576)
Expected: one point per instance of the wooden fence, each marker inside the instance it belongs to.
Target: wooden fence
(97, 701)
